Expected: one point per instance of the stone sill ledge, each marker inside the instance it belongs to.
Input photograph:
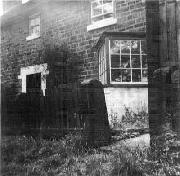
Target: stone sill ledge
(31, 37)
(126, 85)
(102, 23)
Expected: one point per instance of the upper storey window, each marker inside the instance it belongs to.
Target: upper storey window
(102, 14)
(34, 27)
(101, 9)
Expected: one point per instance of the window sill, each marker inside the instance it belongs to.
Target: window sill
(102, 23)
(31, 37)
(127, 85)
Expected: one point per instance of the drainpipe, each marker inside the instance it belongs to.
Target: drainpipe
(177, 114)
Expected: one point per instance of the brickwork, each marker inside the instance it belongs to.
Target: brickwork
(60, 22)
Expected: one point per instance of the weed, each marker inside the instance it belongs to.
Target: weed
(69, 156)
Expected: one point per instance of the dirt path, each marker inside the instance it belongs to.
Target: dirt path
(140, 141)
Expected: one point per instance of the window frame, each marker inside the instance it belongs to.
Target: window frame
(105, 40)
(102, 14)
(103, 22)
(34, 35)
(25, 1)
(29, 70)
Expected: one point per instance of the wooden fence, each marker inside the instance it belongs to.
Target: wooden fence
(65, 108)
(57, 110)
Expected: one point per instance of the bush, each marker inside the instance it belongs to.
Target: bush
(131, 119)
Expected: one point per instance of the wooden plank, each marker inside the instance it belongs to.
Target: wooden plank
(171, 29)
(163, 34)
(178, 28)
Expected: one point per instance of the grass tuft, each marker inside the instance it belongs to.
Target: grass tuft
(70, 156)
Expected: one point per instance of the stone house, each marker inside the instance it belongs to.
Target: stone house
(108, 35)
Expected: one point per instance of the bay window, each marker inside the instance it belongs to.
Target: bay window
(122, 58)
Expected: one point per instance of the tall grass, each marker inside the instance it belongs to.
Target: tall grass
(27, 156)
(131, 119)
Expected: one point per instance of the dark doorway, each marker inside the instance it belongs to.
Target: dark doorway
(33, 89)
(33, 83)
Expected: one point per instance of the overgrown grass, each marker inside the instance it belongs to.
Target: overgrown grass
(27, 156)
(131, 119)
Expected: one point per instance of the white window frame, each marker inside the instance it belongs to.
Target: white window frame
(105, 75)
(103, 65)
(34, 35)
(130, 68)
(105, 21)
(25, 1)
(42, 68)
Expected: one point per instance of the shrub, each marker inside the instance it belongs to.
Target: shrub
(131, 119)
(134, 119)
(115, 122)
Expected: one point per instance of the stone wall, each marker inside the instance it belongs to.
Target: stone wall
(63, 22)
(117, 99)
(60, 22)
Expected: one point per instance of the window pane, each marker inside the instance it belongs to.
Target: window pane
(115, 61)
(135, 61)
(36, 30)
(144, 75)
(96, 8)
(136, 75)
(33, 31)
(37, 21)
(125, 61)
(32, 22)
(143, 47)
(109, 15)
(107, 1)
(96, 3)
(144, 61)
(125, 46)
(115, 46)
(135, 47)
(97, 18)
(116, 75)
(97, 11)
(107, 8)
(126, 75)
